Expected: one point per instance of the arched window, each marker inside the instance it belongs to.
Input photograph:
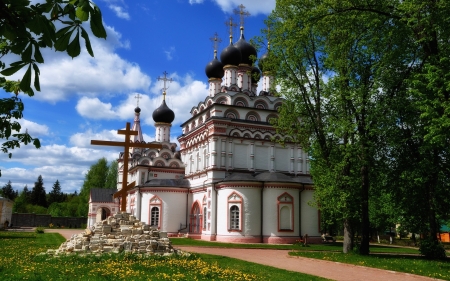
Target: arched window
(155, 212)
(285, 212)
(234, 217)
(154, 217)
(235, 212)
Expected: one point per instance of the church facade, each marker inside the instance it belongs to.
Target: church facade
(230, 180)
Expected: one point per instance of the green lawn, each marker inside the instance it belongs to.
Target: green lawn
(402, 259)
(20, 259)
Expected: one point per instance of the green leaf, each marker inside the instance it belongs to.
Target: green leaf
(37, 85)
(26, 80)
(12, 69)
(87, 41)
(26, 55)
(96, 23)
(74, 48)
(82, 14)
(63, 41)
(37, 54)
(63, 31)
(36, 143)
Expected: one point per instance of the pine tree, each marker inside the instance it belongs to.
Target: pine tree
(8, 192)
(38, 195)
(21, 202)
(111, 178)
(55, 195)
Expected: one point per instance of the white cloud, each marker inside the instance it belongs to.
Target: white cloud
(252, 6)
(195, 1)
(95, 109)
(34, 129)
(169, 53)
(119, 12)
(62, 77)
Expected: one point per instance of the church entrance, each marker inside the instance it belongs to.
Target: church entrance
(102, 214)
(196, 220)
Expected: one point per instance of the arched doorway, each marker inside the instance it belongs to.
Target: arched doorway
(196, 219)
(102, 214)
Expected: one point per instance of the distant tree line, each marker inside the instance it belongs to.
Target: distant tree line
(58, 203)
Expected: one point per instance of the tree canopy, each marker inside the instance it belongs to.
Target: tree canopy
(367, 95)
(26, 29)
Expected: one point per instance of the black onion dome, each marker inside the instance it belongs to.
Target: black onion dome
(214, 69)
(246, 49)
(230, 55)
(163, 114)
(137, 109)
(256, 74)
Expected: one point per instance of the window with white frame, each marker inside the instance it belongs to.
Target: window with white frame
(234, 212)
(154, 216)
(155, 211)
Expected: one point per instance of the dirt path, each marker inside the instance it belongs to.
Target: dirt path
(281, 259)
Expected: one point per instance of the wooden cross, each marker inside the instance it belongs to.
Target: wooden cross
(123, 193)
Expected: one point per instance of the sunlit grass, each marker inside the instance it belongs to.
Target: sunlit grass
(21, 260)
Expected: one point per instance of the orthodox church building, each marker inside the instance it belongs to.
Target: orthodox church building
(230, 180)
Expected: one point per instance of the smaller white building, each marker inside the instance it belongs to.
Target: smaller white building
(101, 205)
(6, 206)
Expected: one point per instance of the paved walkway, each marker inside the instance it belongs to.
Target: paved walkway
(281, 259)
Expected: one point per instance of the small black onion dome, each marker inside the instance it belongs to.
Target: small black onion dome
(230, 55)
(137, 109)
(262, 62)
(255, 74)
(163, 114)
(246, 50)
(214, 69)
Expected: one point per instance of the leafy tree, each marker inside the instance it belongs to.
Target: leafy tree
(95, 178)
(55, 195)
(21, 202)
(111, 178)
(38, 196)
(26, 29)
(368, 83)
(8, 192)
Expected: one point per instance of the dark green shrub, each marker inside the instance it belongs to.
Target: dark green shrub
(432, 249)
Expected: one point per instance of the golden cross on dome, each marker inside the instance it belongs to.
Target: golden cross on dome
(231, 25)
(165, 79)
(138, 97)
(216, 40)
(242, 13)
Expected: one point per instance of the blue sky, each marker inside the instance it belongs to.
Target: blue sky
(91, 98)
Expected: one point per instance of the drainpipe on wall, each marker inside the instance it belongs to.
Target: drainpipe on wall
(187, 212)
(215, 211)
(300, 210)
(262, 213)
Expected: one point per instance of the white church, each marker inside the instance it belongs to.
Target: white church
(230, 180)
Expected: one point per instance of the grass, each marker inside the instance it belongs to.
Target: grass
(402, 259)
(21, 260)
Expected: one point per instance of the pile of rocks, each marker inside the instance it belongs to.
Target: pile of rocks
(118, 233)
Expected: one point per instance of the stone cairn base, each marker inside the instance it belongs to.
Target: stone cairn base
(117, 234)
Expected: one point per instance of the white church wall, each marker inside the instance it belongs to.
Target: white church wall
(310, 215)
(282, 158)
(261, 157)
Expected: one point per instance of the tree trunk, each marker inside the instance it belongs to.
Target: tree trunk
(348, 237)
(365, 231)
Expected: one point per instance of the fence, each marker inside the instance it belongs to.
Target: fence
(32, 220)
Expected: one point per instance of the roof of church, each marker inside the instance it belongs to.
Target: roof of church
(137, 126)
(102, 194)
(273, 176)
(240, 177)
(304, 179)
(166, 183)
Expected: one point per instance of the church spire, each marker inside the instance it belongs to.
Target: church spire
(137, 122)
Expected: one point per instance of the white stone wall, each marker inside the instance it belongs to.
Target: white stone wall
(271, 214)
(173, 209)
(310, 215)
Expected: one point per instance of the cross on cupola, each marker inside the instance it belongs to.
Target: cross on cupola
(216, 40)
(165, 79)
(242, 14)
(138, 97)
(231, 25)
